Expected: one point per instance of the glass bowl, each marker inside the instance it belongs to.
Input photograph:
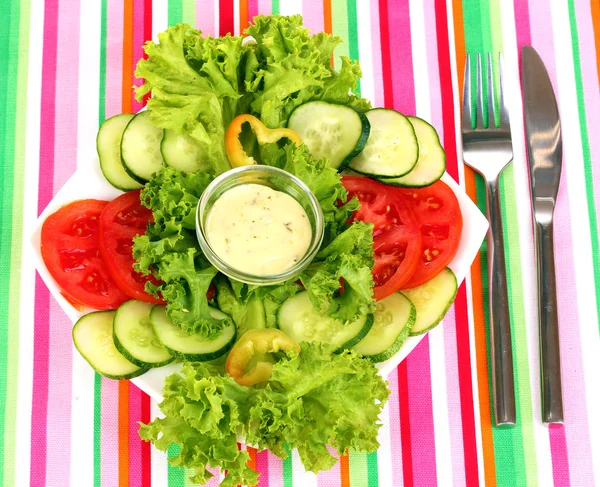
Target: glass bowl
(278, 180)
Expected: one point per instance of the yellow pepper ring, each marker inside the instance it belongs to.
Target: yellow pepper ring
(233, 146)
(257, 342)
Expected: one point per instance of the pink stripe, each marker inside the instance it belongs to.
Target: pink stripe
(401, 57)
(109, 443)
(262, 465)
(422, 436)
(331, 477)
(376, 55)
(313, 15)
(138, 44)
(264, 7)
(39, 407)
(135, 443)
(205, 16)
(114, 57)
(275, 467)
(252, 9)
(576, 431)
(591, 90)
(560, 464)
(393, 420)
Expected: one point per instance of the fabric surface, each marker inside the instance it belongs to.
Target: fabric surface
(66, 65)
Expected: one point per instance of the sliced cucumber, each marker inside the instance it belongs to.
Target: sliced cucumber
(140, 147)
(135, 338)
(432, 158)
(336, 132)
(393, 319)
(182, 152)
(392, 149)
(184, 346)
(299, 320)
(432, 300)
(108, 145)
(93, 339)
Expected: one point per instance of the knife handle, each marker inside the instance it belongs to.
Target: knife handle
(503, 384)
(551, 387)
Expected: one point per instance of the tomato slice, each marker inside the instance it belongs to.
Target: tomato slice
(122, 219)
(70, 249)
(396, 236)
(438, 213)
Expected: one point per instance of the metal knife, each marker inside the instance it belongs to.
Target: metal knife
(544, 149)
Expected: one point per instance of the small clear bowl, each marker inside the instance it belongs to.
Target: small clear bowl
(278, 180)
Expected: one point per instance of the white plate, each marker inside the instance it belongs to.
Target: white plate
(90, 183)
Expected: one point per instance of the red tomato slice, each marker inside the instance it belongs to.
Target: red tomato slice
(396, 236)
(70, 250)
(438, 213)
(122, 219)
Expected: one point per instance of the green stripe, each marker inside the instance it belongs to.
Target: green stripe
(98, 377)
(587, 159)
(353, 33)
(8, 62)
(339, 21)
(373, 467)
(275, 10)
(359, 474)
(175, 475)
(288, 469)
(175, 12)
(188, 12)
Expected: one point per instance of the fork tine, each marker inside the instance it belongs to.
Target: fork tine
(504, 120)
(466, 101)
(479, 94)
(490, 86)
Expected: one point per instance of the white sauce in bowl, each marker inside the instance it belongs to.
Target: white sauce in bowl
(258, 230)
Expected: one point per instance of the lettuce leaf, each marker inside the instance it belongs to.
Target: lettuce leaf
(313, 400)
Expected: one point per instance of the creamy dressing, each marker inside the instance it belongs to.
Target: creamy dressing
(258, 230)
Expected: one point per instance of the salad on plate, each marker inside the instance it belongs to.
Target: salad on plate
(276, 235)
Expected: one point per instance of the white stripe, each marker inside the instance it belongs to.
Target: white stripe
(216, 11)
(521, 181)
(160, 19)
(299, 475)
(365, 50)
(158, 459)
(461, 173)
(384, 454)
(27, 292)
(290, 7)
(580, 226)
(236, 18)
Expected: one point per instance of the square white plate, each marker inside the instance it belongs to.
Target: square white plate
(90, 183)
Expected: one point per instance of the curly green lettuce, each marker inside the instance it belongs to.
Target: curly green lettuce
(313, 400)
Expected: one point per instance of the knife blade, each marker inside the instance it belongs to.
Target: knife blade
(544, 151)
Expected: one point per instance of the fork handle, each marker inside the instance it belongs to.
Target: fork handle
(500, 337)
(551, 387)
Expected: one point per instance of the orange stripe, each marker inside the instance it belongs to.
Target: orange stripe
(345, 470)
(252, 462)
(327, 23)
(487, 437)
(123, 424)
(243, 15)
(596, 23)
(127, 55)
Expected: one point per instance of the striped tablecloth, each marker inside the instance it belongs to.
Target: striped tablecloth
(66, 65)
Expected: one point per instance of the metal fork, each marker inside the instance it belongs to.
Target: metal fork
(488, 151)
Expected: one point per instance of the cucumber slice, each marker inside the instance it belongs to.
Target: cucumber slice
(432, 158)
(182, 152)
(432, 300)
(336, 132)
(393, 319)
(140, 147)
(108, 145)
(93, 339)
(135, 338)
(392, 149)
(299, 320)
(184, 346)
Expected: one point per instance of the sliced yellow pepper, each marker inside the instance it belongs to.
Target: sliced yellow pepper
(233, 146)
(248, 361)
